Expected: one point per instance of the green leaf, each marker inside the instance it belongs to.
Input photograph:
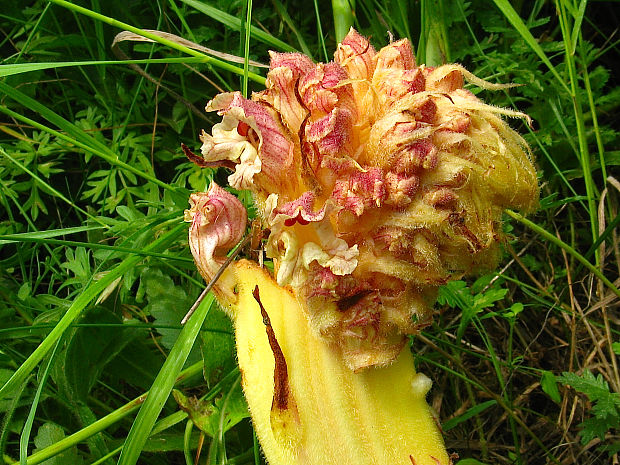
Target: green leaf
(167, 303)
(596, 388)
(168, 441)
(217, 346)
(136, 365)
(469, 413)
(89, 351)
(208, 416)
(470, 462)
(488, 299)
(24, 291)
(50, 433)
(162, 386)
(454, 294)
(606, 408)
(550, 386)
(96, 443)
(593, 428)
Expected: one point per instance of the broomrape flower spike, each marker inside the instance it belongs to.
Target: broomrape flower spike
(379, 180)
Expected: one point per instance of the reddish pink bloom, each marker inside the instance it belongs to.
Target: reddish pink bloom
(218, 221)
(379, 179)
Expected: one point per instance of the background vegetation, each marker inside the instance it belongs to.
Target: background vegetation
(95, 273)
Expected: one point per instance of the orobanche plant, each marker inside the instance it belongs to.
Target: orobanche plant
(377, 180)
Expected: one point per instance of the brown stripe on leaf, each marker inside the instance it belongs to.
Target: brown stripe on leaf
(280, 372)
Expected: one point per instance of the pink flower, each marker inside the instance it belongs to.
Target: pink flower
(249, 136)
(218, 221)
(379, 179)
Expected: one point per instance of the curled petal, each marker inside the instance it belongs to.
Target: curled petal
(281, 94)
(397, 55)
(344, 257)
(416, 155)
(289, 255)
(399, 142)
(392, 84)
(454, 120)
(396, 74)
(284, 74)
(227, 144)
(325, 248)
(256, 129)
(323, 88)
(328, 130)
(442, 197)
(400, 189)
(299, 64)
(299, 211)
(444, 79)
(356, 55)
(331, 134)
(360, 190)
(340, 260)
(341, 166)
(218, 221)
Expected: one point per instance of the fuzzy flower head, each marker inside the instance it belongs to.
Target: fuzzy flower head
(379, 179)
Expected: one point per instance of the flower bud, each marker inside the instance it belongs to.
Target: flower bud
(218, 221)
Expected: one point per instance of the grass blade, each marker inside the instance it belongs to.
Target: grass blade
(320, 30)
(584, 153)
(343, 17)
(19, 68)
(155, 38)
(39, 235)
(469, 413)
(27, 429)
(162, 386)
(247, 31)
(512, 16)
(89, 293)
(234, 23)
(26, 237)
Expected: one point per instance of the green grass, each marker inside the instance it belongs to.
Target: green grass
(95, 272)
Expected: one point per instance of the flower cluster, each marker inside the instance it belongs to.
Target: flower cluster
(379, 180)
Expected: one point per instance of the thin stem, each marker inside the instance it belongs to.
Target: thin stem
(156, 38)
(320, 29)
(563, 245)
(584, 154)
(217, 276)
(246, 52)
